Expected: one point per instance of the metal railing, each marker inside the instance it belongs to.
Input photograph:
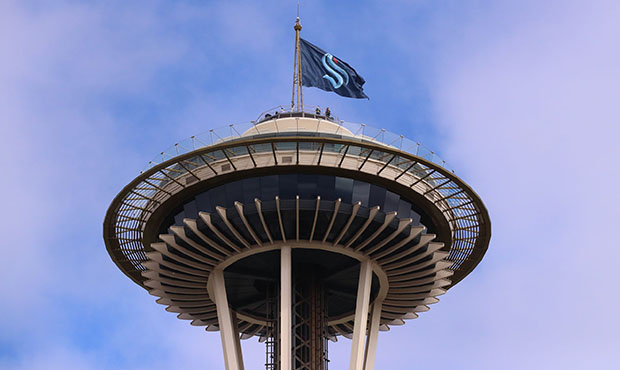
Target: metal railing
(306, 111)
(360, 131)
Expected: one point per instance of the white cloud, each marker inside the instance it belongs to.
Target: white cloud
(62, 68)
(525, 95)
(531, 118)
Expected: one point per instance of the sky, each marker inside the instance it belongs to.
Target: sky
(520, 97)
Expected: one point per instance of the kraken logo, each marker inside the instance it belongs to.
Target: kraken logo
(341, 76)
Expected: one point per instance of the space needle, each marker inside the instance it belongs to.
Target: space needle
(298, 228)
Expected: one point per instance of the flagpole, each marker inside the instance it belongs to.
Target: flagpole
(294, 74)
(297, 76)
(300, 78)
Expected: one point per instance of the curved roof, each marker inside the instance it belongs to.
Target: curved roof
(276, 124)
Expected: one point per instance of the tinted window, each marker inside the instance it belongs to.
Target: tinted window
(288, 186)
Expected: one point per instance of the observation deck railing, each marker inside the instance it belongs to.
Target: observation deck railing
(360, 131)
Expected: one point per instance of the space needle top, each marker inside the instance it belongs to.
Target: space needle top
(298, 227)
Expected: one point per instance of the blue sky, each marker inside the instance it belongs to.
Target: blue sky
(520, 97)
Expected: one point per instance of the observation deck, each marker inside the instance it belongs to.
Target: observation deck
(342, 195)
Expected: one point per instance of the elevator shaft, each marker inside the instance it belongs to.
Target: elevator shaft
(309, 323)
(309, 320)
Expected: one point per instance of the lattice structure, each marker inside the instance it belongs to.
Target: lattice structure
(309, 322)
(271, 354)
(271, 333)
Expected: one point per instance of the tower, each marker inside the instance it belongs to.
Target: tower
(297, 228)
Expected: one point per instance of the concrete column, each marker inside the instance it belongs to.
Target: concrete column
(373, 336)
(230, 337)
(286, 303)
(361, 316)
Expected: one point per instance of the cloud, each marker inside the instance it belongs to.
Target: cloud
(86, 88)
(524, 100)
(64, 69)
(529, 118)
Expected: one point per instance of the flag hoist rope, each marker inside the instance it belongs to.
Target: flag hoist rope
(297, 76)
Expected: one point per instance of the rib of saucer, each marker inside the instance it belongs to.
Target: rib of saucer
(178, 268)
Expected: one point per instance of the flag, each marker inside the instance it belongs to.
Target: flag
(325, 71)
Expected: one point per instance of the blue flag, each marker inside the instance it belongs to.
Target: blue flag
(325, 71)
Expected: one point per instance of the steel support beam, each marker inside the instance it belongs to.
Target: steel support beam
(286, 303)
(233, 359)
(235, 321)
(361, 316)
(373, 336)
